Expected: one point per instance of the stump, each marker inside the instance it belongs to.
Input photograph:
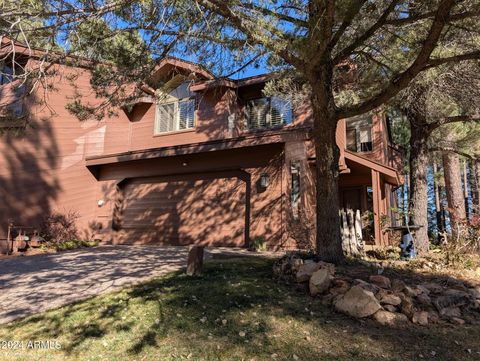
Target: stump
(195, 261)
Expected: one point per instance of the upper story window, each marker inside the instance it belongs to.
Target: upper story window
(359, 135)
(175, 116)
(268, 112)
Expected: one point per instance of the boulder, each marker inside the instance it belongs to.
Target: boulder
(391, 299)
(450, 312)
(306, 270)
(420, 318)
(380, 281)
(387, 318)
(319, 281)
(358, 302)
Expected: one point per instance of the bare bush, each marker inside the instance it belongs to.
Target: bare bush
(60, 227)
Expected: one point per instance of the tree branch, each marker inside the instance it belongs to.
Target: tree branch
(454, 150)
(345, 52)
(418, 65)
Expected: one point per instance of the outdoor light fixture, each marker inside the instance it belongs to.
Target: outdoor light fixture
(184, 164)
(264, 180)
(100, 202)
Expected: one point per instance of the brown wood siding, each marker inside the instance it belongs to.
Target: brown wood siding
(43, 170)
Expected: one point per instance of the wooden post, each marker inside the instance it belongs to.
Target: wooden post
(195, 261)
(376, 206)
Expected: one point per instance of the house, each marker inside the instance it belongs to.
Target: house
(209, 161)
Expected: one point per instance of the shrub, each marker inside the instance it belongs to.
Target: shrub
(58, 227)
(258, 244)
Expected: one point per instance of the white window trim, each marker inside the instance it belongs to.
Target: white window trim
(177, 116)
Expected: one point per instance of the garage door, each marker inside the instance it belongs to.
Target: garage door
(184, 211)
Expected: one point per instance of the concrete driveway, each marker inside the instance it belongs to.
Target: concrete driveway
(36, 283)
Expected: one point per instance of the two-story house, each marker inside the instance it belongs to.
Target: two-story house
(206, 161)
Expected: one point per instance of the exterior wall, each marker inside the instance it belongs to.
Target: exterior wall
(43, 169)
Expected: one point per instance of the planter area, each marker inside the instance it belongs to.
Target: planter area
(362, 292)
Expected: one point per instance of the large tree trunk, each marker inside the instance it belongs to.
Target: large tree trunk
(418, 181)
(328, 239)
(453, 186)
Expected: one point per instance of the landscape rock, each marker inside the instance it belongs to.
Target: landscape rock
(390, 308)
(424, 299)
(380, 281)
(432, 287)
(387, 318)
(391, 299)
(411, 292)
(330, 267)
(398, 285)
(420, 318)
(421, 289)
(358, 302)
(287, 265)
(452, 298)
(475, 292)
(407, 306)
(451, 312)
(433, 317)
(339, 290)
(366, 286)
(306, 270)
(319, 281)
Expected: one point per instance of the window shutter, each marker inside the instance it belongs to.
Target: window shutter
(186, 114)
(165, 118)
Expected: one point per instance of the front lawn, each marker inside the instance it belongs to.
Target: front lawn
(234, 312)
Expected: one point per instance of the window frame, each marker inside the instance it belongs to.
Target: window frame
(176, 104)
(358, 144)
(268, 122)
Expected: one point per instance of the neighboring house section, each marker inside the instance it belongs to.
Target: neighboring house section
(194, 160)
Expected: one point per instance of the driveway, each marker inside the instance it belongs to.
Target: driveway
(33, 284)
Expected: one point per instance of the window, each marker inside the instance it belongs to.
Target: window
(268, 112)
(365, 139)
(359, 135)
(352, 140)
(175, 116)
(295, 187)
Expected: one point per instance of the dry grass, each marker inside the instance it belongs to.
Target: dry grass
(176, 318)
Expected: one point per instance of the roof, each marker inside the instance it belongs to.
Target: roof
(391, 174)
